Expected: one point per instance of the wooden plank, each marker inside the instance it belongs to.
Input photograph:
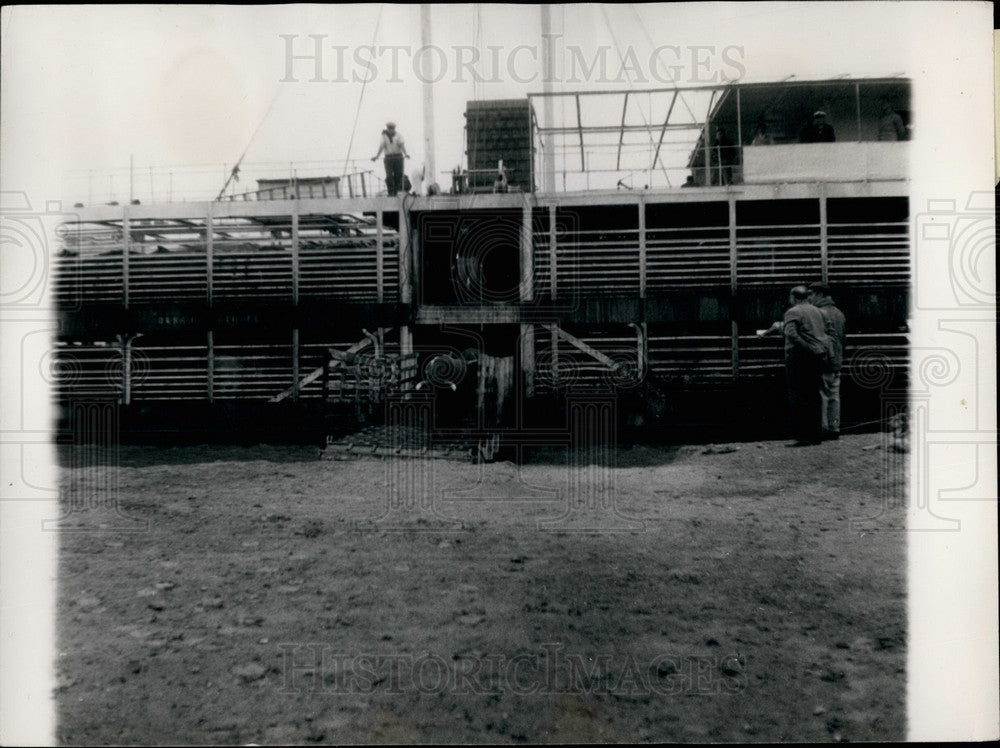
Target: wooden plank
(318, 372)
(580, 345)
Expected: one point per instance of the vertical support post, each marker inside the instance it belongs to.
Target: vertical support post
(555, 356)
(379, 256)
(531, 139)
(405, 261)
(126, 251)
(734, 327)
(527, 294)
(553, 253)
(527, 285)
(295, 364)
(528, 358)
(857, 106)
(732, 245)
(643, 350)
(405, 350)
(642, 246)
(295, 253)
(126, 341)
(210, 362)
(428, 88)
(548, 151)
(364, 186)
(209, 255)
(708, 152)
(739, 131)
(824, 241)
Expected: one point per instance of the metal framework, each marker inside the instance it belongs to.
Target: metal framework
(654, 113)
(290, 253)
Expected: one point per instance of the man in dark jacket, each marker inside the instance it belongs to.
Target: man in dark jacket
(817, 131)
(835, 327)
(806, 354)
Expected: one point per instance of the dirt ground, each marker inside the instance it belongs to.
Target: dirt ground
(266, 596)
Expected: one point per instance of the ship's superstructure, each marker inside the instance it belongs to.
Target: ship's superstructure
(645, 292)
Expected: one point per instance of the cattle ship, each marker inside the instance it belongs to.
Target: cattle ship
(554, 282)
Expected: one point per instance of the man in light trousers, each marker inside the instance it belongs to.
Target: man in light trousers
(819, 296)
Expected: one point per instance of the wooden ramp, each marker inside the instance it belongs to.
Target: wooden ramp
(412, 442)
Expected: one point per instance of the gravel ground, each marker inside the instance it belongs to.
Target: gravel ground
(690, 594)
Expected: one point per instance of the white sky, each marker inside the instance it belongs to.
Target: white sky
(86, 86)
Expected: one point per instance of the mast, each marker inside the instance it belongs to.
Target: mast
(548, 52)
(430, 170)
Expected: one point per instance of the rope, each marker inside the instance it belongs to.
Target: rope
(235, 173)
(361, 97)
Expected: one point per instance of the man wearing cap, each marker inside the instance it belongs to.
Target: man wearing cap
(806, 352)
(817, 131)
(395, 150)
(835, 326)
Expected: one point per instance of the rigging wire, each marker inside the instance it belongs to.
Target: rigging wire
(234, 174)
(361, 96)
(653, 47)
(621, 57)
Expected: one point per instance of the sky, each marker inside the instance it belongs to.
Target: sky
(184, 91)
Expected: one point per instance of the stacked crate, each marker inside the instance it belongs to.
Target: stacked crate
(498, 130)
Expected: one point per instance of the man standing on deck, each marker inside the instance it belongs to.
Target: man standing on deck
(835, 323)
(817, 131)
(807, 351)
(395, 150)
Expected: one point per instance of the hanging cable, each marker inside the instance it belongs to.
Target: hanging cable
(234, 175)
(361, 96)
